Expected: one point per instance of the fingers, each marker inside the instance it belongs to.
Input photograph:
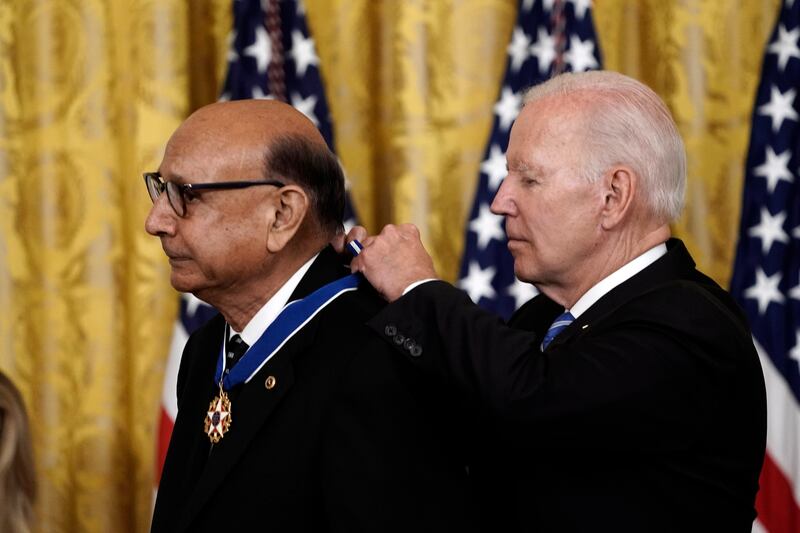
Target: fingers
(394, 259)
(357, 233)
(343, 243)
(338, 242)
(358, 263)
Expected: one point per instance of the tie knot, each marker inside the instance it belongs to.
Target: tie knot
(562, 321)
(234, 351)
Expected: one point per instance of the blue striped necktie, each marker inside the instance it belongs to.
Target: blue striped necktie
(562, 321)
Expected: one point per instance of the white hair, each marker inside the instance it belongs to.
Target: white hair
(626, 123)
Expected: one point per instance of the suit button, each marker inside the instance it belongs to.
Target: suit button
(399, 339)
(409, 344)
(270, 382)
(390, 330)
(416, 350)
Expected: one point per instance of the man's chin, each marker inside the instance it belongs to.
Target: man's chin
(182, 284)
(523, 274)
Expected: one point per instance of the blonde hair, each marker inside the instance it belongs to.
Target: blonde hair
(17, 474)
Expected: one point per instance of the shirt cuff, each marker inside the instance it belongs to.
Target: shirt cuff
(417, 284)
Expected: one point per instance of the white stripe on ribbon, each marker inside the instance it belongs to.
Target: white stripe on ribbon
(298, 328)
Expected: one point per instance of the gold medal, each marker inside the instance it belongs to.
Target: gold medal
(218, 417)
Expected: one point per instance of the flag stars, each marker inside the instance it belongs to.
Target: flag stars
(769, 230)
(495, 167)
(544, 50)
(233, 55)
(193, 303)
(478, 282)
(257, 93)
(785, 46)
(794, 292)
(581, 7)
(487, 226)
(303, 53)
(305, 106)
(507, 108)
(794, 353)
(765, 290)
(260, 50)
(775, 168)
(780, 107)
(521, 292)
(580, 55)
(518, 48)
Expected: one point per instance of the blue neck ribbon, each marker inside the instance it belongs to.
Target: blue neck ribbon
(291, 319)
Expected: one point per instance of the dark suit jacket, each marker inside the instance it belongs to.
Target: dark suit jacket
(646, 414)
(351, 438)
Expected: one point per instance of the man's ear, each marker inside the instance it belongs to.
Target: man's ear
(621, 184)
(287, 212)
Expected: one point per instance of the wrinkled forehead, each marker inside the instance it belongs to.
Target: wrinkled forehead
(207, 154)
(544, 126)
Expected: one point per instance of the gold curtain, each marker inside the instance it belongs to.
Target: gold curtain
(89, 92)
(91, 89)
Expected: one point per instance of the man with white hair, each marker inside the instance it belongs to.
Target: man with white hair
(628, 395)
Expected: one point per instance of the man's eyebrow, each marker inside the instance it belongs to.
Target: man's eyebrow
(519, 166)
(176, 178)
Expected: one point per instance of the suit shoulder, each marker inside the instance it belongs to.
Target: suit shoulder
(693, 308)
(710, 297)
(358, 305)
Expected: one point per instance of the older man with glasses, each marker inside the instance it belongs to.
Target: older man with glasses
(292, 415)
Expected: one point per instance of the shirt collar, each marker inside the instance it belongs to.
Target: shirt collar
(267, 314)
(623, 274)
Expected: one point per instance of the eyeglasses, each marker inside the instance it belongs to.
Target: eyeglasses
(177, 193)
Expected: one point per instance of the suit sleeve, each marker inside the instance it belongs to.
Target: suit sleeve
(641, 380)
(471, 348)
(393, 457)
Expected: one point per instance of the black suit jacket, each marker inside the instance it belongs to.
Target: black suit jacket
(647, 413)
(351, 437)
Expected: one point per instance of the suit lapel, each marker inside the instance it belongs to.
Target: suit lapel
(675, 264)
(258, 399)
(250, 410)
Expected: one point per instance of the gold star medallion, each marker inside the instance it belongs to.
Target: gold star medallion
(218, 417)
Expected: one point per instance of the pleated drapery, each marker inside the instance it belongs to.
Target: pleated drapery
(90, 91)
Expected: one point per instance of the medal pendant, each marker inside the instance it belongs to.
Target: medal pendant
(218, 417)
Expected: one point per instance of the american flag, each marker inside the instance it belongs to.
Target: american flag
(550, 37)
(765, 275)
(271, 54)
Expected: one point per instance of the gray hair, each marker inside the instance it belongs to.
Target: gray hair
(626, 123)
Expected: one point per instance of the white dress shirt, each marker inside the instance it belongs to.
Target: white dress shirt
(270, 310)
(624, 273)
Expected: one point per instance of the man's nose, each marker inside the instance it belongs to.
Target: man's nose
(162, 218)
(503, 203)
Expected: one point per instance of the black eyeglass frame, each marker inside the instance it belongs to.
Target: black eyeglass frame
(180, 189)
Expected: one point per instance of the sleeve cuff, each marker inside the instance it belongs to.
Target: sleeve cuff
(417, 284)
